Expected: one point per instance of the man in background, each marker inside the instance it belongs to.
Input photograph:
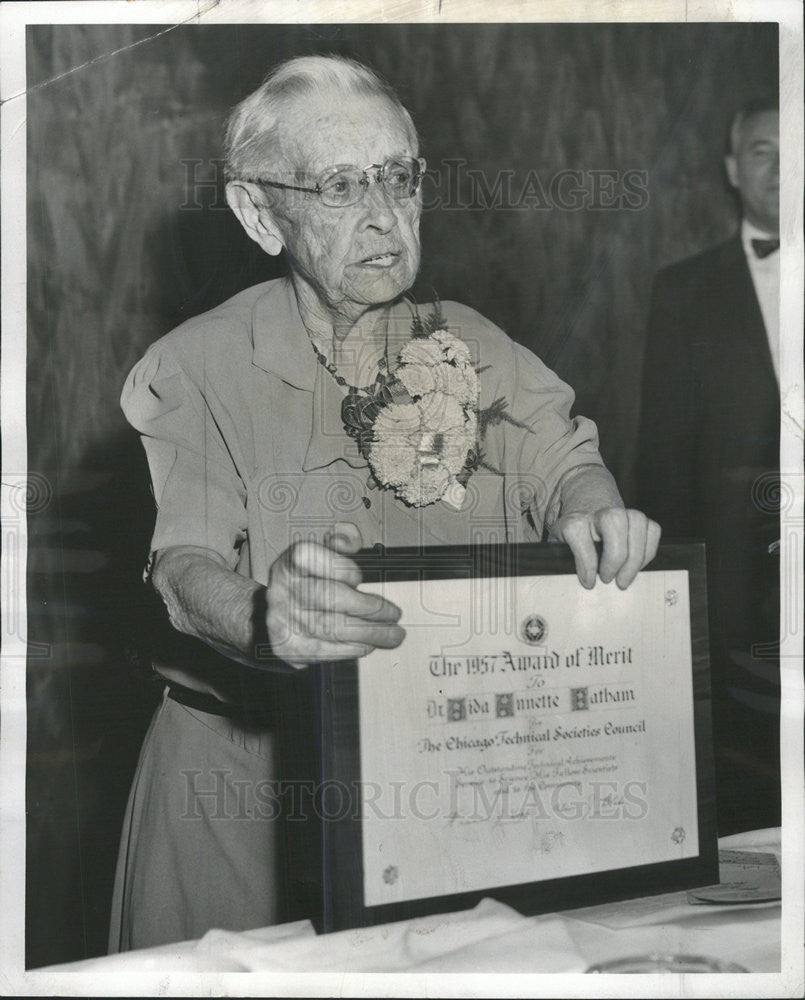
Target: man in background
(708, 460)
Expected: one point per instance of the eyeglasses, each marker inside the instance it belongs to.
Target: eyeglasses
(341, 186)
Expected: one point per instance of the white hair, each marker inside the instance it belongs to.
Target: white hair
(252, 138)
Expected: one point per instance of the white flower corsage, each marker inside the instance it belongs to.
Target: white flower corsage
(419, 427)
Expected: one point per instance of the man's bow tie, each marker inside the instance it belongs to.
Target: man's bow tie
(763, 248)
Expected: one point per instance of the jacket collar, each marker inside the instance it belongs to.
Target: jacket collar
(329, 442)
(280, 340)
(281, 347)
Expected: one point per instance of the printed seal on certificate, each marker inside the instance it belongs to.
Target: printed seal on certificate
(530, 740)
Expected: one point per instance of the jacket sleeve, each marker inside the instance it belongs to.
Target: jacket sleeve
(200, 498)
(544, 443)
(555, 444)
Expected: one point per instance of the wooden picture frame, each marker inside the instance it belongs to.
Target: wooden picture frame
(324, 854)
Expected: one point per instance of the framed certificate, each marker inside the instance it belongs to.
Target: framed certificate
(530, 740)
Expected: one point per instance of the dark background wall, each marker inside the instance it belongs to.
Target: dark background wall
(128, 235)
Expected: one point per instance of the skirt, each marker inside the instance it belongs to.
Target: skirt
(202, 831)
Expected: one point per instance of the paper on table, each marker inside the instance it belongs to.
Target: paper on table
(526, 729)
(735, 868)
(745, 877)
(492, 937)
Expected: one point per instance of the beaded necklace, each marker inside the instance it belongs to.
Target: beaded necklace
(358, 401)
(331, 368)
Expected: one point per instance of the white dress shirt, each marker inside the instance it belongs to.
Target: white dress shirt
(766, 279)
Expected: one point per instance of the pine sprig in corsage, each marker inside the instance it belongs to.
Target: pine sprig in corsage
(420, 427)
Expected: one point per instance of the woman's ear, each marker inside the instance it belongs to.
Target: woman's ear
(246, 202)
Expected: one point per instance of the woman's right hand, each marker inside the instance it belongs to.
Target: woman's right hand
(314, 609)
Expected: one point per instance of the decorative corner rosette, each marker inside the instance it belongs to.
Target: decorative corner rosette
(420, 427)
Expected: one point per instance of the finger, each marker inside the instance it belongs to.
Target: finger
(576, 533)
(328, 626)
(319, 594)
(314, 651)
(358, 630)
(653, 536)
(295, 631)
(612, 526)
(314, 559)
(636, 543)
(344, 537)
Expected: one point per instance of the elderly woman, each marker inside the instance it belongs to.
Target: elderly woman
(289, 427)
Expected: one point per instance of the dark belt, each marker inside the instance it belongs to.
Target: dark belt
(202, 701)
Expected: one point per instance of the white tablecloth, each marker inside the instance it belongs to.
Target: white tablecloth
(491, 937)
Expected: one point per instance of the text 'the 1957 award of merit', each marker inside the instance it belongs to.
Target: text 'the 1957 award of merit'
(526, 730)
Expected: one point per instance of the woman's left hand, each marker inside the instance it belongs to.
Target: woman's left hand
(629, 538)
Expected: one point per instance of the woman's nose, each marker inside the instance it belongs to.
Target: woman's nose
(378, 206)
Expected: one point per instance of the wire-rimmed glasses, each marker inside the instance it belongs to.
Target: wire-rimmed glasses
(344, 185)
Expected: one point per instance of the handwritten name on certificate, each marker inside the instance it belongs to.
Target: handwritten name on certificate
(526, 729)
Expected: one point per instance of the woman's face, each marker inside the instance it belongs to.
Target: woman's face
(361, 255)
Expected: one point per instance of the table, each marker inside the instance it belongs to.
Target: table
(491, 937)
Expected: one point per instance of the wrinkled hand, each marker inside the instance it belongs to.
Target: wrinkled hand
(630, 541)
(315, 611)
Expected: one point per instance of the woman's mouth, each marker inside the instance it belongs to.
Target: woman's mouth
(381, 259)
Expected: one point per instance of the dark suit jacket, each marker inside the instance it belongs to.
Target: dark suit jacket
(708, 467)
